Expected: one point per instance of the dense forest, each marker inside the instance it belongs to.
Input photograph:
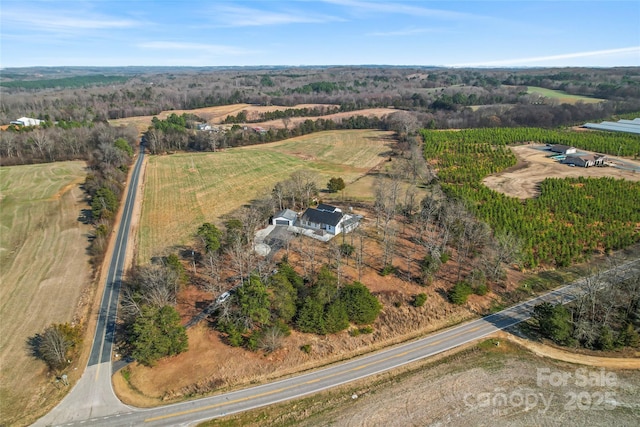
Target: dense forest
(116, 93)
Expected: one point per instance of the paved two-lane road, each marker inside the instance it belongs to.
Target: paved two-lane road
(93, 394)
(105, 330)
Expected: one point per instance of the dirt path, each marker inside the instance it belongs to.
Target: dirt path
(566, 356)
(523, 180)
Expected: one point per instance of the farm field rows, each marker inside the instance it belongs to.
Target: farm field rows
(561, 96)
(44, 268)
(184, 190)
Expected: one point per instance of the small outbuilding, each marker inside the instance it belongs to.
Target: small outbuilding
(285, 217)
(27, 121)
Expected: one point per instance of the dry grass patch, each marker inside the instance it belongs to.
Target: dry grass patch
(43, 270)
(182, 191)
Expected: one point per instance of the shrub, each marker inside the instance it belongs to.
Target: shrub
(306, 348)
(234, 333)
(347, 249)
(460, 293)
(336, 184)
(156, 333)
(430, 266)
(419, 300)
(311, 317)
(554, 322)
(481, 290)
(366, 330)
(362, 307)
(253, 340)
(388, 269)
(336, 318)
(444, 257)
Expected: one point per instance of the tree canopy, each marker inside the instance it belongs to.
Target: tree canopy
(336, 184)
(157, 333)
(210, 236)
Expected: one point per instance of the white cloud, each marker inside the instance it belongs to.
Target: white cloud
(407, 32)
(212, 49)
(229, 16)
(625, 52)
(403, 9)
(55, 21)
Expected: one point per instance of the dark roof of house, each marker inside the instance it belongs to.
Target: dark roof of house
(322, 217)
(560, 147)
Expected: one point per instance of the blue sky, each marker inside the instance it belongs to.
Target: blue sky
(343, 32)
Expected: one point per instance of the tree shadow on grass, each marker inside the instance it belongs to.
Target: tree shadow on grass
(33, 345)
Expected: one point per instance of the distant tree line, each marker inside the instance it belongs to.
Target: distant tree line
(65, 82)
(162, 138)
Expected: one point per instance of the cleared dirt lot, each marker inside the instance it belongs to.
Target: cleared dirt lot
(534, 166)
(44, 269)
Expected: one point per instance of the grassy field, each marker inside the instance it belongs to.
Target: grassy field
(43, 269)
(184, 190)
(562, 97)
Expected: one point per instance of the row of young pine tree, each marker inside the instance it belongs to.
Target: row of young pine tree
(571, 218)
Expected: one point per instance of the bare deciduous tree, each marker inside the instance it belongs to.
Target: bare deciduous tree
(53, 347)
(155, 285)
